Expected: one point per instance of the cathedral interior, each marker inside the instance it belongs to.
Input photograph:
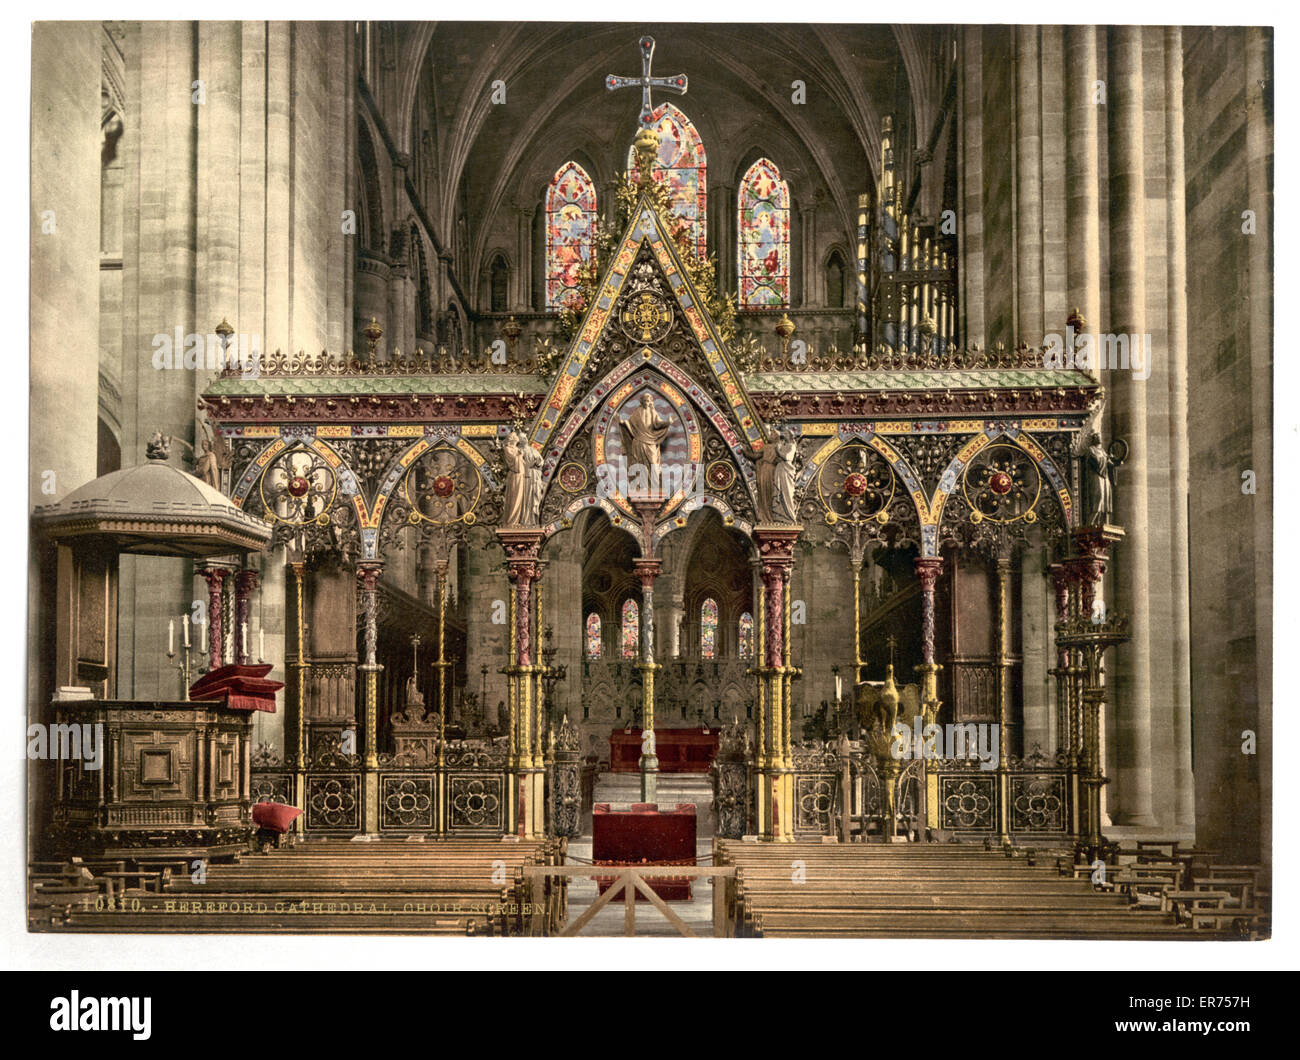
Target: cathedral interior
(522, 438)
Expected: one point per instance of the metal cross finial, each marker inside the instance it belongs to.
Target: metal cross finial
(675, 84)
(890, 642)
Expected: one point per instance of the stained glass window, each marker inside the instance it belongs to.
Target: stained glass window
(593, 636)
(631, 629)
(682, 167)
(746, 636)
(570, 232)
(764, 228)
(709, 629)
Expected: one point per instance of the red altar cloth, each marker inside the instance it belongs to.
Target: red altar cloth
(645, 836)
(242, 687)
(679, 750)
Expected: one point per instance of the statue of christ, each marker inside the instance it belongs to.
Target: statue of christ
(643, 433)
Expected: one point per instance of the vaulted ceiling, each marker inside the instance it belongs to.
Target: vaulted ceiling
(494, 156)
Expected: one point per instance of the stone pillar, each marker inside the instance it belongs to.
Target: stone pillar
(1129, 421)
(523, 568)
(1259, 183)
(373, 276)
(245, 583)
(972, 187)
(1181, 634)
(1029, 189)
(1082, 224)
(776, 773)
(215, 576)
(368, 575)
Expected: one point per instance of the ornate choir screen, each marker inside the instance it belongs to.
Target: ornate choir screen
(932, 452)
(465, 793)
(956, 797)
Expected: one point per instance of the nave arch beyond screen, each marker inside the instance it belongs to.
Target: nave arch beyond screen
(709, 422)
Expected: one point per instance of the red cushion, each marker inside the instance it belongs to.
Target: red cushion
(274, 816)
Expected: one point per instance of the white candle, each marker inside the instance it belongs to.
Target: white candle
(243, 640)
(171, 637)
(185, 631)
(203, 633)
(837, 688)
(261, 645)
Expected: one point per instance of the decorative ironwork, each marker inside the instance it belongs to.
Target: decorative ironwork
(475, 803)
(407, 802)
(1038, 803)
(967, 803)
(1002, 484)
(299, 488)
(814, 796)
(272, 787)
(334, 802)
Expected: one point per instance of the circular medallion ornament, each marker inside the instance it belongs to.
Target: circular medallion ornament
(573, 477)
(646, 317)
(444, 485)
(298, 486)
(720, 476)
(855, 485)
(1000, 483)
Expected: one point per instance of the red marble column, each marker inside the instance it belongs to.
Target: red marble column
(776, 782)
(928, 569)
(216, 579)
(245, 583)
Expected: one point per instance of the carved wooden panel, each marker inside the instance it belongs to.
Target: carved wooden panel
(157, 765)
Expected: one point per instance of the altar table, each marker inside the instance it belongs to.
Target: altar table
(645, 835)
(679, 750)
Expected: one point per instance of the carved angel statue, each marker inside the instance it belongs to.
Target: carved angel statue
(1100, 464)
(776, 479)
(532, 483)
(516, 505)
(215, 456)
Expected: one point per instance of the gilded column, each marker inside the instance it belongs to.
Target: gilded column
(1004, 694)
(647, 570)
(776, 784)
(928, 570)
(368, 574)
(300, 668)
(523, 568)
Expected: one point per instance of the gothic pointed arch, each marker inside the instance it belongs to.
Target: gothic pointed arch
(570, 232)
(763, 237)
(645, 303)
(682, 164)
